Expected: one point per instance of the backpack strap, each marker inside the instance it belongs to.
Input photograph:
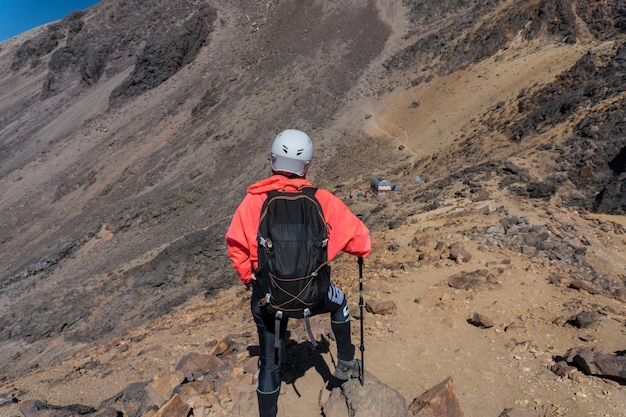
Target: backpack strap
(307, 314)
(279, 317)
(307, 189)
(310, 191)
(277, 320)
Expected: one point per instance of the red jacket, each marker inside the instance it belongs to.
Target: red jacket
(346, 232)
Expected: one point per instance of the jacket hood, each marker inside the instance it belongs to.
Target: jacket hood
(278, 182)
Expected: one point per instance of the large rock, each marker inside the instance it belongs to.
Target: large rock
(36, 408)
(374, 399)
(612, 198)
(381, 307)
(598, 364)
(131, 402)
(195, 365)
(175, 407)
(439, 401)
(162, 386)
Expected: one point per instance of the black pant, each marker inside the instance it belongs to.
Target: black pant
(270, 358)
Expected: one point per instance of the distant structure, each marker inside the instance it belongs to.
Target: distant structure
(380, 187)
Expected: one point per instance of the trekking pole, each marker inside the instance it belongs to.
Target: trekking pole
(361, 305)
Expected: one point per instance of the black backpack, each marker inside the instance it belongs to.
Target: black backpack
(293, 273)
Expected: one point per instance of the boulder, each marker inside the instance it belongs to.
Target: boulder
(482, 321)
(370, 400)
(381, 307)
(36, 408)
(458, 253)
(439, 401)
(598, 364)
(476, 280)
(195, 365)
(162, 386)
(175, 407)
(132, 401)
(584, 319)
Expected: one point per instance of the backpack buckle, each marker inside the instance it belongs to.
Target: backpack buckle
(265, 300)
(266, 243)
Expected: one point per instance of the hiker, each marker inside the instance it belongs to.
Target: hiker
(291, 154)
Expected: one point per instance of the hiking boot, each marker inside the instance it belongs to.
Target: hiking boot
(347, 370)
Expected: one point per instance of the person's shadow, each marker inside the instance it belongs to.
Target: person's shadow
(299, 357)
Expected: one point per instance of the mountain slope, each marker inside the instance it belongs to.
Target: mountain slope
(130, 131)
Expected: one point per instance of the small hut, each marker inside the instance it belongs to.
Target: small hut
(380, 187)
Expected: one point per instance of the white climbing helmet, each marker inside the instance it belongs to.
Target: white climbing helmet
(292, 152)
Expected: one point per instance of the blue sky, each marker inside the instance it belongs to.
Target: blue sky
(17, 16)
